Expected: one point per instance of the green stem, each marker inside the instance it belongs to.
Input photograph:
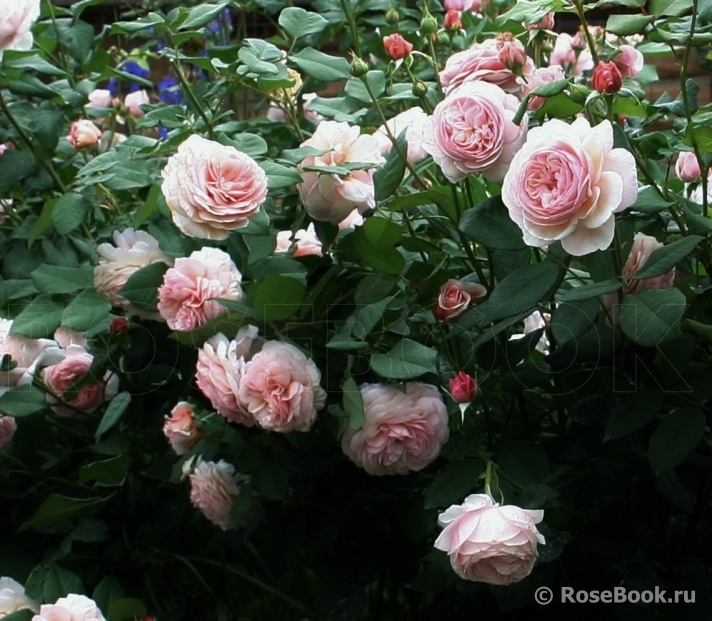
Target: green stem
(580, 11)
(352, 26)
(487, 459)
(191, 96)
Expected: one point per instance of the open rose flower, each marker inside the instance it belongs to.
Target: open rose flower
(130, 251)
(329, 197)
(643, 247)
(307, 242)
(212, 189)
(411, 121)
(16, 20)
(12, 594)
(219, 369)
(186, 299)
(497, 61)
(213, 489)
(402, 432)
(180, 428)
(567, 182)
(70, 608)
(489, 543)
(455, 298)
(83, 134)
(537, 78)
(567, 54)
(629, 62)
(280, 388)
(472, 131)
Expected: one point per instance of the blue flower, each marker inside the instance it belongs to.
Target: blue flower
(169, 92)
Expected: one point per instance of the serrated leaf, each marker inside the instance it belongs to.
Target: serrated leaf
(406, 361)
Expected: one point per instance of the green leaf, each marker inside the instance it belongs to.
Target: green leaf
(141, 289)
(278, 297)
(389, 176)
(676, 437)
(649, 201)
(669, 8)
(489, 224)
(280, 176)
(297, 22)
(664, 259)
(526, 11)
(56, 279)
(593, 290)
(652, 316)
(60, 582)
(375, 240)
(242, 504)
(108, 590)
(279, 266)
(321, 66)
(108, 472)
(20, 615)
(573, 319)
(57, 509)
(113, 413)
(201, 15)
(69, 212)
(85, 311)
(251, 144)
(126, 609)
(149, 208)
(44, 222)
(356, 88)
(633, 413)
(22, 401)
(628, 24)
(454, 484)
(353, 402)
(39, 319)
(406, 361)
(524, 461)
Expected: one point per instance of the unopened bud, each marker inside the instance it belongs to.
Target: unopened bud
(119, 325)
(429, 25)
(420, 89)
(392, 16)
(443, 38)
(607, 78)
(358, 67)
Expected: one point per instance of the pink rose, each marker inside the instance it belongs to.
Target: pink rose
(213, 489)
(280, 388)
(545, 23)
(212, 189)
(629, 62)
(567, 182)
(606, 78)
(99, 98)
(497, 61)
(130, 251)
(687, 167)
(537, 78)
(452, 20)
(83, 134)
(411, 121)
(489, 543)
(472, 131)
(219, 369)
(186, 297)
(12, 593)
(351, 221)
(329, 197)
(463, 5)
(63, 377)
(16, 20)
(180, 428)
(66, 337)
(307, 243)
(566, 54)
(134, 101)
(455, 298)
(8, 426)
(463, 387)
(401, 432)
(70, 608)
(643, 247)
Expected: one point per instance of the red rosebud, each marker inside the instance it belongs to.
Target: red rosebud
(606, 78)
(119, 325)
(452, 20)
(396, 46)
(463, 387)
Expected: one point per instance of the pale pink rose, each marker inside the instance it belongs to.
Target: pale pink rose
(455, 298)
(411, 122)
(283, 241)
(180, 428)
(219, 369)
(687, 167)
(63, 376)
(472, 131)
(567, 182)
(12, 593)
(532, 323)
(212, 189)
(497, 61)
(213, 489)
(16, 20)
(402, 432)
(351, 221)
(186, 297)
(629, 62)
(537, 78)
(489, 543)
(280, 388)
(99, 98)
(134, 101)
(463, 5)
(330, 197)
(70, 608)
(643, 247)
(545, 23)
(306, 240)
(66, 337)
(8, 426)
(573, 58)
(29, 354)
(131, 250)
(83, 134)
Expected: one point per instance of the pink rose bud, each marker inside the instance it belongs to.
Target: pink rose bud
(463, 387)
(180, 428)
(119, 325)
(455, 298)
(8, 426)
(546, 23)
(83, 134)
(134, 101)
(606, 78)
(99, 98)
(452, 20)
(643, 247)
(687, 167)
(629, 62)
(396, 46)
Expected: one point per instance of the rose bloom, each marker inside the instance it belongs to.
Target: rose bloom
(280, 388)
(134, 101)
(331, 198)
(213, 489)
(537, 78)
(185, 299)
(576, 60)
(83, 134)
(455, 298)
(219, 369)
(606, 78)
(489, 543)
(99, 98)
(629, 62)
(109, 140)
(687, 167)
(545, 23)
(8, 427)
(307, 242)
(452, 20)
(212, 189)
(396, 46)
(532, 323)
(463, 5)
(62, 377)
(401, 432)
(463, 387)
(497, 61)
(16, 20)
(411, 121)
(70, 608)
(567, 182)
(180, 428)
(66, 336)
(12, 593)
(472, 131)
(131, 250)
(643, 247)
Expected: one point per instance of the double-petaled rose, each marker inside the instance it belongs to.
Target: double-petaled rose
(456, 297)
